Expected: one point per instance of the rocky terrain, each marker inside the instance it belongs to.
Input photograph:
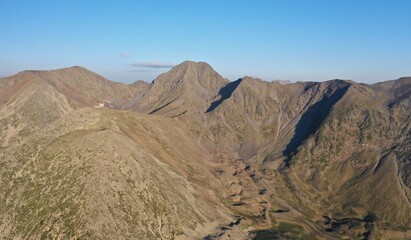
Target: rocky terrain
(194, 156)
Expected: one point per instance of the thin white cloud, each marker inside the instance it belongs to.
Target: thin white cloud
(143, 70)
(125, 54)
(153, 64)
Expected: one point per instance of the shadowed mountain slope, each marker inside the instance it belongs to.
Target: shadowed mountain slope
(314, 117)
(224, 93)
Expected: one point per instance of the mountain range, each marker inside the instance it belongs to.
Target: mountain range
(192, 155)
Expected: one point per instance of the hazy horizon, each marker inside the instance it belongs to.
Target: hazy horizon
(364, 41)
(231, 79)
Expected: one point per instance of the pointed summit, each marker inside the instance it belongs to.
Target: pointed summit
(189, 86)
(196, 73)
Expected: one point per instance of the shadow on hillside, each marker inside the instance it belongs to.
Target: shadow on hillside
(312, 119)
(225, 93)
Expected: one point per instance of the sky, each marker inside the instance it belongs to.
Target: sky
(297, 40)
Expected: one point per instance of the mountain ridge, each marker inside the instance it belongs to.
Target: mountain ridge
(192, 155)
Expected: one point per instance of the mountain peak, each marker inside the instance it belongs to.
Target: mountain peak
(74, 69)
(251, 79)
(191, 66)
(77, 67)
(193, 63)
(186, 85)
(190, 72)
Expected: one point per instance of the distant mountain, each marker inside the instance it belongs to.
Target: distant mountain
(138, 87)
(81, 86)
(194, 156)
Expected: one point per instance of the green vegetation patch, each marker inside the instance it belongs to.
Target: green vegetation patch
(284, 230)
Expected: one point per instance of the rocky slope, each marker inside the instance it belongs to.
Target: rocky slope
(194, 156)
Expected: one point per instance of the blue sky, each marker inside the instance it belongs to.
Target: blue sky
(298, 40)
